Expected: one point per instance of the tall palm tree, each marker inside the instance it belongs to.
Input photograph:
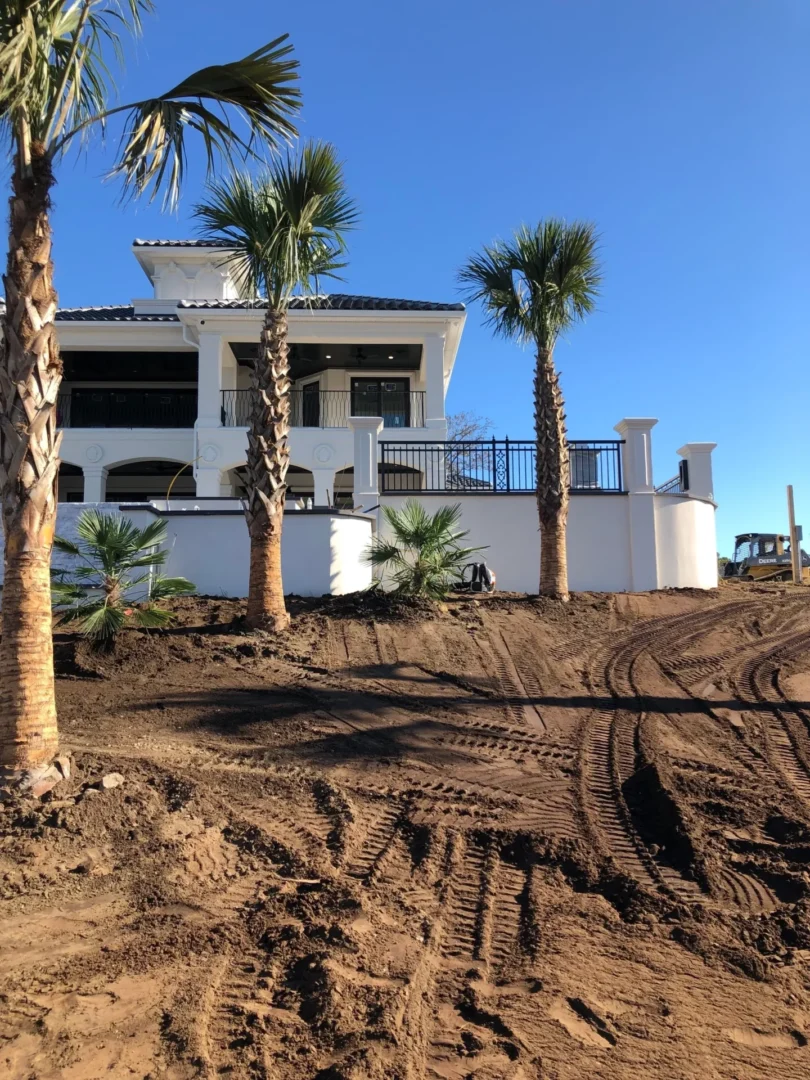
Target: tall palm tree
(285, 230)
(534, 287)
(56, 90)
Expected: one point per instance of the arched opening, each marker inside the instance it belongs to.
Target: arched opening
(390, 477)
(70, 487)
(300, 482)
(139, 481)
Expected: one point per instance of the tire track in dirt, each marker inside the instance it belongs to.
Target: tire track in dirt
(516, 700)
(238, 990)
(609, 749)
(380, 828)
(758, 681)
(746, 892)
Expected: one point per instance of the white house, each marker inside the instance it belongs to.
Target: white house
(164, 382)
(155, 399)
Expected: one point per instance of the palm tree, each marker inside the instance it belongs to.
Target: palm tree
(285, 230)
(113, 570)
(56, 90)
(424, 555)
(533, 288)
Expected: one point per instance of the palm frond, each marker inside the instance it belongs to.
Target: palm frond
(170, 586)
(102, 623)
(67, 547)
(153, 558)
(152, 617)
(54, 70)
(261, 88)
(285, 228)
(536, 285)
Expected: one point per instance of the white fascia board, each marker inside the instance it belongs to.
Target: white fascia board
(113, 336)
(312, 327)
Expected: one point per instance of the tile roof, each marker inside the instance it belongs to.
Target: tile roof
(109, 313)
(333, 302)
(181, 243)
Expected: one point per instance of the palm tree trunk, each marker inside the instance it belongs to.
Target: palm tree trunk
(267, 462)
(553, 476)
(30, 374)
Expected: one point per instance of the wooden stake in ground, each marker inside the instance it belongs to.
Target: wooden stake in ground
(795, 550)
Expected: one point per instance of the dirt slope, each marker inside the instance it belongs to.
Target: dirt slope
(506, 839)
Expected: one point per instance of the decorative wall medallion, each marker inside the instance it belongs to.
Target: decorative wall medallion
(210, 452)
(94, 453)
(324, 453)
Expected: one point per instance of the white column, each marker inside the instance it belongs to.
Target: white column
(366, 430)
(209, 380)
(638, 482)
(637, 452)
(324, 486)
(698, 458)
(433, 356)
(208, 482)
(95, 483)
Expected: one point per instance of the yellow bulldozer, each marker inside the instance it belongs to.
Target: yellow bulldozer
(764, 557)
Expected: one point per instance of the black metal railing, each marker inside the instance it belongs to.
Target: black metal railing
(332, 408)
(126, 408)
(494, 466)
(676, 485)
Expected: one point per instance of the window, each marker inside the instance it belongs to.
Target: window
(385, 397)
(311, 405)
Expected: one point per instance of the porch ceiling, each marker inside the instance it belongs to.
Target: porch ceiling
(309, 359)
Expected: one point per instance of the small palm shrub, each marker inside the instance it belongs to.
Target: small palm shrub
(424, 555)
(113, 560)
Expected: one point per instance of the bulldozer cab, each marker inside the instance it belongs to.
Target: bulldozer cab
(760, 546)
(763, 556)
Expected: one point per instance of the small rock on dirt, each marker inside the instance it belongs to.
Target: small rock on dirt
(45, 782)
(62, 763)
(111, 780)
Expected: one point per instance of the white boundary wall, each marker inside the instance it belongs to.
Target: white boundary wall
(632, 542)
(686, 542)
(321, 552)
(598, 537)
(627, 542)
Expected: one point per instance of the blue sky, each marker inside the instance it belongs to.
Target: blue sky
(679, 126)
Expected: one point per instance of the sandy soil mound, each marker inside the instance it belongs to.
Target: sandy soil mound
(490, 839)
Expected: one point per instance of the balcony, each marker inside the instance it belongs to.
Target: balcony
(332, 408)
(88, 408)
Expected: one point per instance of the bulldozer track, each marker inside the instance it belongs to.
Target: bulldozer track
(609, 751)
(756, 682)
(516, 699)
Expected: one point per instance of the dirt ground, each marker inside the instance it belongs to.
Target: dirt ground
(501, 839)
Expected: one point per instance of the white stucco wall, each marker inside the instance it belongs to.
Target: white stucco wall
(320, 553)
(109, 447)
(598, 538)
(686, 542)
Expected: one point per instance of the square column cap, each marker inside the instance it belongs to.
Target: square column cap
(366, 423)
(635, 423)
(696, 448)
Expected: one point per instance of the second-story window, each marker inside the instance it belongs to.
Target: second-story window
(385, 397)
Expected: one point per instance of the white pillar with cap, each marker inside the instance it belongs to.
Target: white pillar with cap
(366, 492)
(95, 483)
(638, 482)
(698, 458)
